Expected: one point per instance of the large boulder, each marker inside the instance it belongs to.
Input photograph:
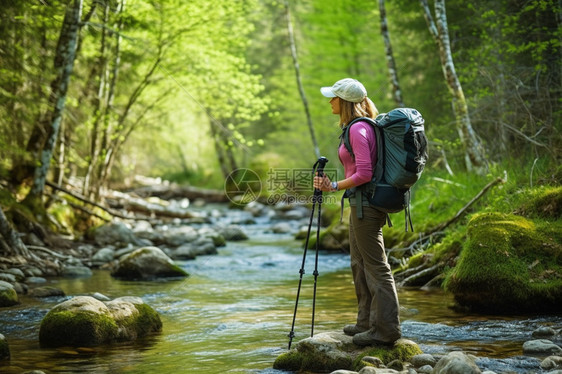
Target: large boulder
(509, 263)
(334, 238)
(84, 321)
(456, 363)
(8, 295)
(541, 347)
(232, 232)
(114, 233)
(178, 236)
(4, 348)
(199, 247)
(147, 263)
(327, 352)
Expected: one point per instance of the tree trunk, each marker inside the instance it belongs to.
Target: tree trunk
(219, 149)
(474, 154)
(390, 63)
(98, 101)
(64, 63)
(11, 237)
(298, 77)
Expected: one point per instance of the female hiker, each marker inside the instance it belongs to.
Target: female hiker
(378, 311)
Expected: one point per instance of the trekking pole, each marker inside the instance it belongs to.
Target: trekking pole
(317, 197)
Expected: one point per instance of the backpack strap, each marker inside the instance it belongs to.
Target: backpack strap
(378, 170)
(407, 216)
(344, 136)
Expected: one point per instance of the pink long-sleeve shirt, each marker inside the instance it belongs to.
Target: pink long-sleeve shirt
(364, 145)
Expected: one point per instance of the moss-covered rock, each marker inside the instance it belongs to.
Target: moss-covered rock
(509, 263)
(80, 321)
(4, 348)
(134, 318)
(8, 295)
(147, 263)
(85, 321)
(403, 350)
(332, 351)
(333, 238)
(324, 352)
(543, 202)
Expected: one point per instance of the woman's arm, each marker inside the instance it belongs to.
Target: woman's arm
(361, 137)
(324, 184)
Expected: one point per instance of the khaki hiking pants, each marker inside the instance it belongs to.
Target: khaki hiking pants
(374, 285)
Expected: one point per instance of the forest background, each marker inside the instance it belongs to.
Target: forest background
(189, 91)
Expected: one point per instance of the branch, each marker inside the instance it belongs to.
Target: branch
(81, 208)
(111, 30)
(87, 201)
(48, 251)
(518, 132)
(419, 242)
(465, 208)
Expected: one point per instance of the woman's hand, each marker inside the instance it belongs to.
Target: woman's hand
(322, 183)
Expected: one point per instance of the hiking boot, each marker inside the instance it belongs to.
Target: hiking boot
(369, 337)
(353, 329)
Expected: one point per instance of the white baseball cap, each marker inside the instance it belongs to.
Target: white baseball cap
(348, 89)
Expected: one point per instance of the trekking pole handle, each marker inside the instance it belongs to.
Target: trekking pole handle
(319, 165)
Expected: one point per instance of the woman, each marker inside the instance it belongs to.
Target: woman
(378, 311)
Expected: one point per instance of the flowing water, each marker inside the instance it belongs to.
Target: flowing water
(234, 312)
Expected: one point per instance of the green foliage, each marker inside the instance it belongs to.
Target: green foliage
(198, 79)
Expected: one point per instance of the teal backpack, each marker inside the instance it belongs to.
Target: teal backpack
(401, 158)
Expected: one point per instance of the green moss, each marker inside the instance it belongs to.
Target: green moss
(403, 350)
(147, 321)
(450, 247)
(416, 260)
(543, 202)
(4, 348)
(6, 198)
(333, 238)
(509, 263)
(64, 215)
(8, 297)
(291, 361)
(60, 328)
(306, 358)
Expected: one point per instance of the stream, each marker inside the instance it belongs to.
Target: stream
(234, 312)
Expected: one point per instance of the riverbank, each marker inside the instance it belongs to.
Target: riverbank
(234, 311)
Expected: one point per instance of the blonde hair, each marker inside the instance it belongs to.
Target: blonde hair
(349, 111)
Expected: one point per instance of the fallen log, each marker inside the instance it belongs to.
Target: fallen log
(150, 208)
(172, 191)
(87, 201)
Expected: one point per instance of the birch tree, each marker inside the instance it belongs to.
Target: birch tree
(298, 78)
(64, 63)
(390, 63)
(474, 154)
